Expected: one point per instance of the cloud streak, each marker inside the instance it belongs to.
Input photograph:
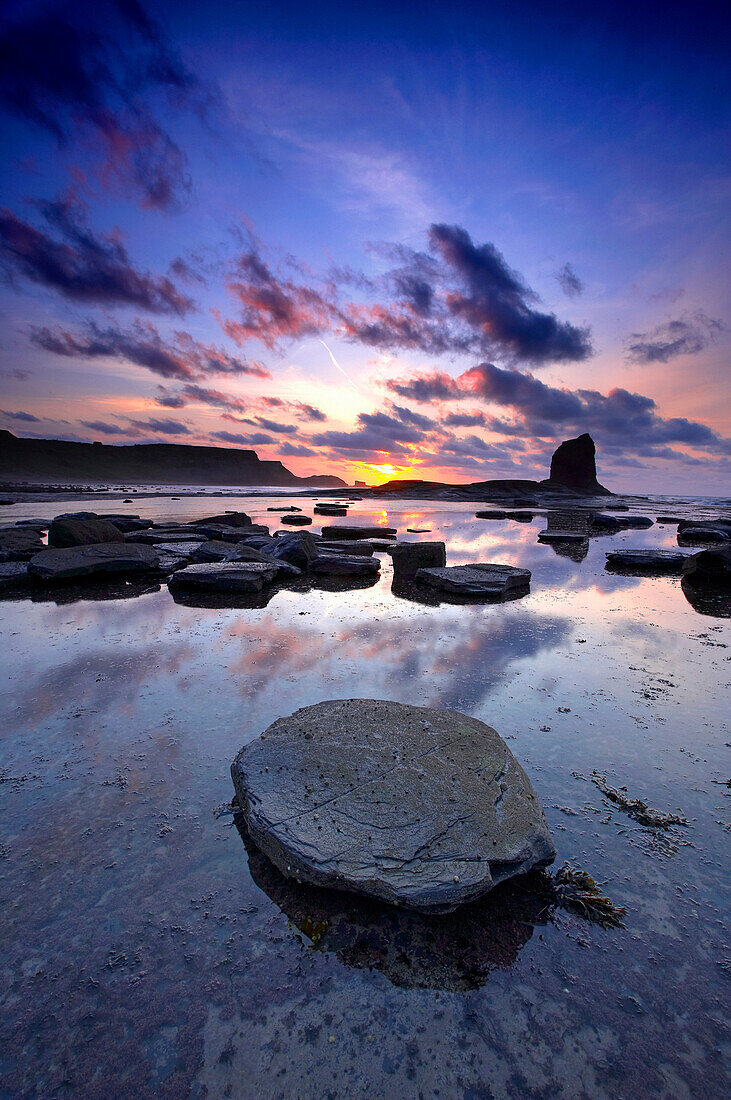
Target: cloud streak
(686, 335)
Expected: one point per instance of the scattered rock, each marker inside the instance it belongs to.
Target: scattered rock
(520, 517)
(646, 561)
(699, 531)
(285, 508)
(669, 519)
(228, 519)
(86, 529)
(19, 543)
(299, 548)
(476, 579)
(419, 807)
(637, 523)
(92, 560)
(248, 576)
(494, 513)
(362, 547)
(561, 536)
(710, 569)
(409, 557)
(297, 521)
(331, 509)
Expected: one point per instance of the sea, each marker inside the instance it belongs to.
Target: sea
(147, 949)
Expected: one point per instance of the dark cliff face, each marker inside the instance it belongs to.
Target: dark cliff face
(574, 465)
(54, 460)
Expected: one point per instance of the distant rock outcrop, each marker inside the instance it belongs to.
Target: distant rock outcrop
(61, 461)
(573, 465)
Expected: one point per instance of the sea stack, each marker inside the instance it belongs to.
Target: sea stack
(573, 466)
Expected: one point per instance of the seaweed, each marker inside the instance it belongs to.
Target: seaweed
(576, 891)
(636, 808)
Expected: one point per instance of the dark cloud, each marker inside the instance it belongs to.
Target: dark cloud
(465, 420)
(103, 427)
(69, 258)
(272, 425)
(162, 426)
(243, 440)
(88, 72)
(687, 335)
(569, 281)
(299, 409)
(296, 450)
(180, 356)
(170, 400)
(25, 417)
(216, 398)
(463, 297)
(546, 411)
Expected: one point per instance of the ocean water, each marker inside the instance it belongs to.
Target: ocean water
(148, 950)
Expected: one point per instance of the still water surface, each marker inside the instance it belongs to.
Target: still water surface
(146, 951)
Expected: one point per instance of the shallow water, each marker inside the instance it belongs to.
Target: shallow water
(145, 951)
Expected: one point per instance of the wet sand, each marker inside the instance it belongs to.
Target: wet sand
(148, 950)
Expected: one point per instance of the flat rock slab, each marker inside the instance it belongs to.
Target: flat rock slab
(422, 808)
(297, 521)
(647, 561)
(475, 580)
(13, 574)
(340, 531)
(345, 565)
(95, 560)
(229, 576)
(561, 536)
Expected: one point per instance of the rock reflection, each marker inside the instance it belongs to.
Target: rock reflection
(432, 597)
(705, 601)
(259, 600)
(453, 952)
(72, 593)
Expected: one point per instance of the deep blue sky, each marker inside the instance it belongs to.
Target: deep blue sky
(435, 239)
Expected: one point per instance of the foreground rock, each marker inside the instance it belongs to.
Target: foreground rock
(247, 576)
(13, 574)
(19, 543)
(646, 561)
(710, 569)
(423, 808)
(84, 529)
(97, 560)
(409, 557)
(691, 532)
(476, 580)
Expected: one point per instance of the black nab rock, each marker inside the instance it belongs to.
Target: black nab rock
(422, 808)
(574, 466)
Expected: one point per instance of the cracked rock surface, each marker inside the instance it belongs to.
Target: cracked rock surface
(420, 807)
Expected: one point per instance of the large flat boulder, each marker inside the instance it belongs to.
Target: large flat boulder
(92, 561)
(476, 580)
(86, 529)
(19, 543)
(647, 561)
(227, 519)
(246, 576)
(423, 808)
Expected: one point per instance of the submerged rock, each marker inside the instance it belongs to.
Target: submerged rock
(409, 557)
(96, 560)
(646, 561)
(247, 576)
(476, 580)
(423, 808)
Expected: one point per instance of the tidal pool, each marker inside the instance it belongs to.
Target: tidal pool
(147, 949)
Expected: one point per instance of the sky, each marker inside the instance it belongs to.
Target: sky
(377, 240)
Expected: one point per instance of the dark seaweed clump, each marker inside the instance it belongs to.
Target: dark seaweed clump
(636, 808)
(577, 891)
